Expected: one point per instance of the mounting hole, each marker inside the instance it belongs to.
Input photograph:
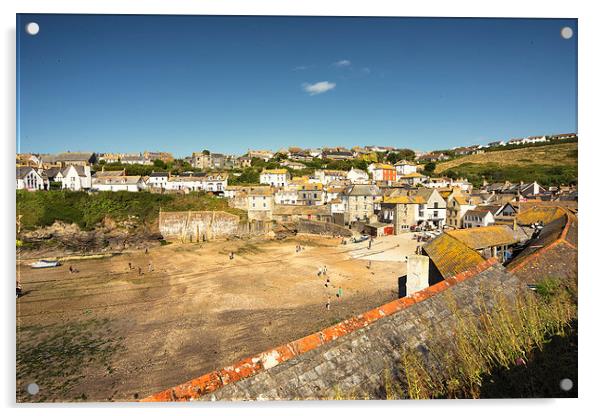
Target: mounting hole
(33, 389)
(566, 384)
(32, 28)
(566, 32)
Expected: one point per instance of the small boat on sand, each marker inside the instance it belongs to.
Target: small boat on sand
(42, 264)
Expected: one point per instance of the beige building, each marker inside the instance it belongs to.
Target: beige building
(360, 202)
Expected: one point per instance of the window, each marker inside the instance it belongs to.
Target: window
(436, 205)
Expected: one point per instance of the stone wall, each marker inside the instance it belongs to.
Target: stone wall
(195, 226)
(323, 228)
(353, 355)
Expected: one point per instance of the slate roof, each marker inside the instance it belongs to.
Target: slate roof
(362, 190)
(551, 254)
(545, 214)
(22, 171)
(484, 237)
(78, 169)
(451, 256)
(159, 174)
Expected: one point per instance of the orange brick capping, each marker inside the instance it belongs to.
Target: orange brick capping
(255, 364)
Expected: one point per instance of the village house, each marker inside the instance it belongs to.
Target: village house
(70, 158)
(438, 183)
(165, 157)
(361, 201)
(201, 160)
(496, 143)
(28, 178)
(135, 159)
(357, 176)
(403, 167)
(215, 182)
(458, 205)
(244, 162)
(158, 180)
(274, 177)
(260, 203)
(328, 176)
(338, 154)
(286, 195)
(383, 172)
(432, 157)
(408, 209)
(412, 179)
(311, 194)
(118, 183)
(264, 155)
(477, 218)
(402, 211)
(77, 178)
(54, 175)
(292, 165)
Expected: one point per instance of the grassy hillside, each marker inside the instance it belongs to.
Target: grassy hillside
(549, 165)
(44, 208)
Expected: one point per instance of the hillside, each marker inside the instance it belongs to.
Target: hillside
(549, 165)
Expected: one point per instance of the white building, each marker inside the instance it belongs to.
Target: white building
(158, 180)
(327, 176)
(475, 218)
(404, 167)
(357, 176)
(118, 183)
(438, 183)
(274, 177)
(77, 178)
(28, 178)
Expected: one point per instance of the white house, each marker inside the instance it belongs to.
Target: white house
(327, 176)
(184, 183)
(274, 177)
(438, 183)
(118, 183)
(77, 178)
(28, 178)
(477, 218)
(357, 176)
(215, 182)
(158, 180)
(404, 167)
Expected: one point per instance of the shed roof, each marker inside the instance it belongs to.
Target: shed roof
(484, 237)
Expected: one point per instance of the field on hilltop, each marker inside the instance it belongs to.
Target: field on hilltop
(549, 165)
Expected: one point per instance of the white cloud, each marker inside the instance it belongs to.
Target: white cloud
(366, 70)
(300, 68)
(318, 87)
(342, 63)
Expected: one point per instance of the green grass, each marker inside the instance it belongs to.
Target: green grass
(494, 172)
(521, 348)
(88, 210)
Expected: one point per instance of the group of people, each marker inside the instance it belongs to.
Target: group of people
(298, 248)
(150, 268)
(322, 271)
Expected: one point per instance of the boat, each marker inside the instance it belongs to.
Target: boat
(42, 264)
(360, 239)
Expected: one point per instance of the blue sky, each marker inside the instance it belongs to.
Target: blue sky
(186, 83)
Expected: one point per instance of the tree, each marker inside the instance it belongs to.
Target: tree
(158, 163)
(429, 168)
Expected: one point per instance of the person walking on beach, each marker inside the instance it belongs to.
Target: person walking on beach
(231, 255)
(328, 304)
(340, 292)
(150, 266)
(130, 265)
(139, 270)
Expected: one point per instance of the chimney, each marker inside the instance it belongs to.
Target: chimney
(417, 273)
